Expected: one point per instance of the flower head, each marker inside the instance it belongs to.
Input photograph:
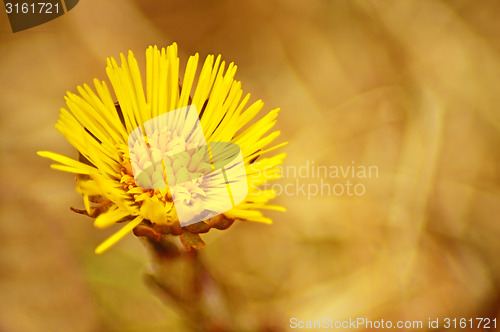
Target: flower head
(109, 161)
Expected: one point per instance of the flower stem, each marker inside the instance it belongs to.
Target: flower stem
(180, 278)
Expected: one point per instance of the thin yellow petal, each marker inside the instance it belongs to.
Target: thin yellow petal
(118, 235)
(69, 169)
(109, 218)
(66, 161)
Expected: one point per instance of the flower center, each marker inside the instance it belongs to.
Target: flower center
(169, 166)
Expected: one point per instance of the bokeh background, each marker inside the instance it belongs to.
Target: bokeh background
(409, 86)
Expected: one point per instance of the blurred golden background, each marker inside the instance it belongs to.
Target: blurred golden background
(411, 87)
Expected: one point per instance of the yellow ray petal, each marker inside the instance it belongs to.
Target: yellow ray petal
(118, 235)
(69, 169)
(109, 218)
(66, 161)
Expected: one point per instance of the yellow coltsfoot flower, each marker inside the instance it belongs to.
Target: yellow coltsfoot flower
(107, 173)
